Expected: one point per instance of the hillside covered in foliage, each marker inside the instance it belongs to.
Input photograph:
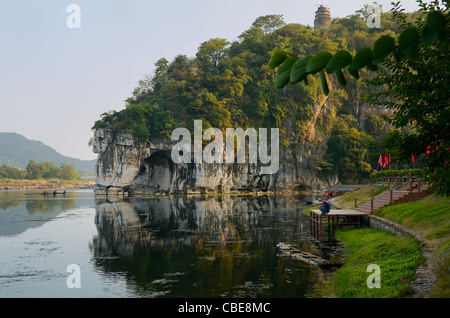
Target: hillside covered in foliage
(228, 84)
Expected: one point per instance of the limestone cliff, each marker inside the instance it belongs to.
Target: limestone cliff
(124, 165)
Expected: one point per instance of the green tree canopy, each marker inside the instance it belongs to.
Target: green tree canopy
(68, 172)
(229, 84)
(347, 152)
(48, 170)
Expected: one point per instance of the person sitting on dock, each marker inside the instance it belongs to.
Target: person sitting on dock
(325, 208)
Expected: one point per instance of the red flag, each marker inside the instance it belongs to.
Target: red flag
(380, 161)
(389, 158)
(412, 157)
(428, 151)
(385, 161)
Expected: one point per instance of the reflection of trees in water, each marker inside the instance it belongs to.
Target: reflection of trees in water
(50, 205)
(8, 204)
(35, 202)
(221, 240)
(9, 200)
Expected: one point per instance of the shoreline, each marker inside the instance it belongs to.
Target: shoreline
(45, 186)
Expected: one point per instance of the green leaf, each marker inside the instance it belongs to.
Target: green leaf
(398, 56)
(361, 59)
(278, 57)
(318, 62)
(372, 67)
(383, 46)
(341, 78)
(324, 82)
(284, 72)
(408, 41)
(428, 35)
(340, 60)
(353, 73)
(298, 71)
(375, 61)
(436, 21)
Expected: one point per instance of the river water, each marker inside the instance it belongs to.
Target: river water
(211, 246)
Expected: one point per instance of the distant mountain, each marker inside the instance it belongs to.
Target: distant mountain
(16, 150)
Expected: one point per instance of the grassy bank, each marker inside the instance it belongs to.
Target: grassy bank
(430, 218)
(397, 257)
(13, 184)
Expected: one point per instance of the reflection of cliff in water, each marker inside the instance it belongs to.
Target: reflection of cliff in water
(173, 222)
(205, 246)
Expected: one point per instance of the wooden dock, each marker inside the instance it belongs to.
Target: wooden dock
(333, 219)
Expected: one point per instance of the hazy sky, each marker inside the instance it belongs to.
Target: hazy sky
(56, 81)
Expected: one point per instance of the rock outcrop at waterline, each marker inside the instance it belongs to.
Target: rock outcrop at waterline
(127, 166)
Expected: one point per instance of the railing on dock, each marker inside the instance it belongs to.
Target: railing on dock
(333, 220)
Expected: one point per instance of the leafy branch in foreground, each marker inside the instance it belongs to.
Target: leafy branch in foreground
(293, 69)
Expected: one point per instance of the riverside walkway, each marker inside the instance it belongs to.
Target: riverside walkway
(355, 215)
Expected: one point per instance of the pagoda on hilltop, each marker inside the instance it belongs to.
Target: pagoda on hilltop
(323, 19)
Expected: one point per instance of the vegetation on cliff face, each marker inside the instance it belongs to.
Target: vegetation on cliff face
(229, 84)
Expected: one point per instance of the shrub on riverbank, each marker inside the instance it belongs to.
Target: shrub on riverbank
(397, 257)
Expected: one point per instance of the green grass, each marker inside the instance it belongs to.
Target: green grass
(39, 182)
(441, 265)
(429, 216)
(397, 257)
